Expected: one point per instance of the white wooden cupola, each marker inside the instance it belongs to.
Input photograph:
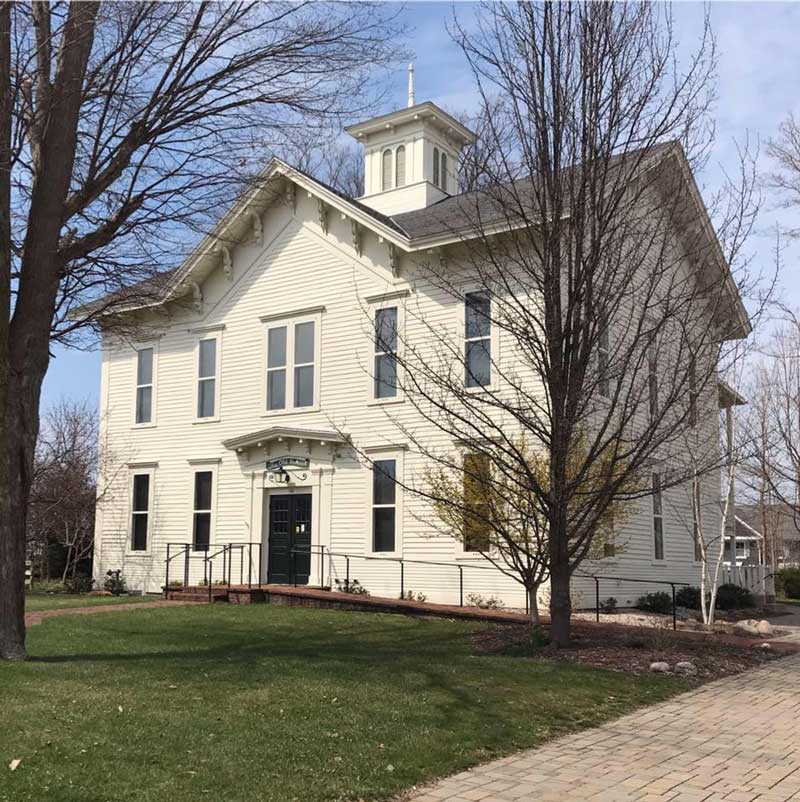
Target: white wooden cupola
(410, 155)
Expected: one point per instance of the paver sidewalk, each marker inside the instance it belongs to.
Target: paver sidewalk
(733, 740)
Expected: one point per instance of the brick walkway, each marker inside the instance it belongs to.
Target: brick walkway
(37, 616)
(734, 740)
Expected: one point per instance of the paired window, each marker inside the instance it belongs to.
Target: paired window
(440, 169)
(201, 511)
(477, 535)
(291, 365)
(207, 378)
(386, 170)
(477, 340)
(140, 511)
(144, 385)
(384, 504)
(658, 519)
(400, 166)
(436, 167)
(385, 360)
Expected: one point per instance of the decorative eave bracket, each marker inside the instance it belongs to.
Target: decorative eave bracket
(258, 229)
(355, 231)
(291, 195)
(227, 260)
(322, 214)
(197, 296)
(394, 257)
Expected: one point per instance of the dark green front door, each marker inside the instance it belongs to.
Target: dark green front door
(289, 539)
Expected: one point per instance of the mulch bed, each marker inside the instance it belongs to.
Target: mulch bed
(631, 652)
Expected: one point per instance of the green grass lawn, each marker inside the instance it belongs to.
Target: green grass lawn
(269, 704)
(54, 601)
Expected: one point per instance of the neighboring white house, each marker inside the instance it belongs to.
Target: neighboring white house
(227, 417)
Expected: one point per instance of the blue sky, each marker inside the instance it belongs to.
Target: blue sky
(759, 65)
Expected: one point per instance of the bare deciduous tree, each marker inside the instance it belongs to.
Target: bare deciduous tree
(597, 298)
(124, 128)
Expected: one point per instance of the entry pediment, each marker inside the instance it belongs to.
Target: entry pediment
(280, 434)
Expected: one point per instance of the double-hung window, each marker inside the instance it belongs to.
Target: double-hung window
(144, 385)
(658, 519)
(207, 363)
(385, 362)
(436, 167)
(652, 385)
(477, 339)
(292, 365)
(140, 511)
(384, 504)
(603, 380)
(202, 508)
(477, 507)
(693, 392)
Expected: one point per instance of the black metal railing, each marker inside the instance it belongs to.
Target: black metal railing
(227, 552)
(661, 582)
(208, 559)
(401, 562)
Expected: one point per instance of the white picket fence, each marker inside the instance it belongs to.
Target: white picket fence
(758, 579)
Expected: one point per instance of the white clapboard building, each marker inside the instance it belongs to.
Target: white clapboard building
(245, 411)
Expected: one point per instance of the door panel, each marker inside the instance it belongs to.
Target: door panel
(289, 528)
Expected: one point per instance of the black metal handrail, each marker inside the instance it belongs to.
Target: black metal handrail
(672, 585)
(226, 551)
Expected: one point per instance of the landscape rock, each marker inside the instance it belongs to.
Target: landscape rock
(764, 628)
(746, 628)
(659, 668)
(685, 667)
(765, 647)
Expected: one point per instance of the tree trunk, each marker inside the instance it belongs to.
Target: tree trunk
(533, 606)
(560, 606)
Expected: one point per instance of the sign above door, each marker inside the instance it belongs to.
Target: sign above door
(281, 463)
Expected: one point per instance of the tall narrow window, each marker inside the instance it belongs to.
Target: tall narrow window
(201, 514)
(652, 385)
(436, 167)
(384, 504)
(477, 340)
(207, 378)
(443, 175)
(603, 382)
(140, 511)
(276, 368)
(144, 385)
(693, 392)
(385, 375)
(400, 167)
(658, 519)
(477, 507)
(304, 364)
(386, 170)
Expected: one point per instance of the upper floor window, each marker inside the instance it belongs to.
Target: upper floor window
(436, 166)
(477, 340)
(207, 363)
(140, 511)
(658, 519)
(386, 170)
(384, 504)
(292, 365)
(144, 385)
(693, 392)
(201, 512)
(603, 380)
(443, 174)
(652, 385)
(400, 167)
(385, 368)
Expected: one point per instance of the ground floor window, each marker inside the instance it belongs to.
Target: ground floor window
(384, 504)
(658, 519)
(477, 535)
(201, 517)
(140, 511)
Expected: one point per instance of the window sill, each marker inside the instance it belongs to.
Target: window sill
(215, 419)
(131, 553)
(659, 563)
(275, 413)
(382, 402)
(144, 425)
